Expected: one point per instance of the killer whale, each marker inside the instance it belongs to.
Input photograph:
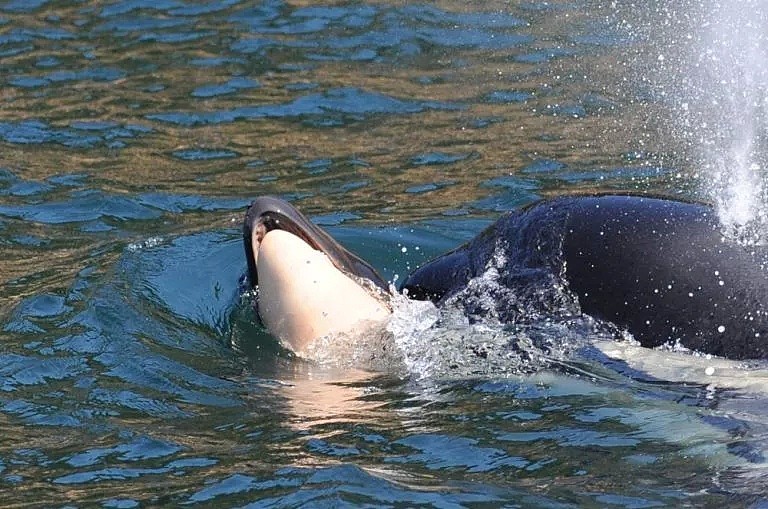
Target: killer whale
(659, 268)
(309, 286)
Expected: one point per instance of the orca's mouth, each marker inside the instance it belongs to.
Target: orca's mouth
(268, 213)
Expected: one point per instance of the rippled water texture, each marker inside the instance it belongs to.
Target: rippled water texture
(134, 133)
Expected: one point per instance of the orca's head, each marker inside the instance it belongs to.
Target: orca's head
(308, 284)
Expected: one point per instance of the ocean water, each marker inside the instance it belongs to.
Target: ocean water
(132, 372)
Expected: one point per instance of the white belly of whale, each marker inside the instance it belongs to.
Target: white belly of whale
(714, 372)
(303, 296)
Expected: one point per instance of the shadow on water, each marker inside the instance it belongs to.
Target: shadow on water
(132, 373)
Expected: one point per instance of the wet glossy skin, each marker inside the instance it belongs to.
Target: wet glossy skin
(309, 285)
(303, 296)
(658, 268)
(268, 213)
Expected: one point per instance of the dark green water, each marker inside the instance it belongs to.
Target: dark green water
(133, 134)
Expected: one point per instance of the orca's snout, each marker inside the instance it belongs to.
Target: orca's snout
(267, 213)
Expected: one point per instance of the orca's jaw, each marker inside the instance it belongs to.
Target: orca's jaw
(267, 213)
(303, 296)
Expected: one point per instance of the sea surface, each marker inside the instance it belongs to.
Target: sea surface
(133, 134)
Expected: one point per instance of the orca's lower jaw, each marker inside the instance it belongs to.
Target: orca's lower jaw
(303, 296)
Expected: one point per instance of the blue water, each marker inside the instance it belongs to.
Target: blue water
(132, 373)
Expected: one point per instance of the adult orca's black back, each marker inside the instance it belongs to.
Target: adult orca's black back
(659, 268)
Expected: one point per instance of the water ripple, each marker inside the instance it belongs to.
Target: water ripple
(361, 36)
(133, 401)
(23, 5)
(200, 154)
(352, 484)
(30, 132)
(352, 102)
(19, 370)
(232, 85)
(139, 448)
(88, 205)
(441, 451)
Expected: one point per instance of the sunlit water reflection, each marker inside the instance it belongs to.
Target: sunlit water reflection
(133, 373)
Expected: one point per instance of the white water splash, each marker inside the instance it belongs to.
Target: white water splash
(733, 62)
(700, 67)
(717, 77)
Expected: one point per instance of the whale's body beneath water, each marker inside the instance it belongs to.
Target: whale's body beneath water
(657, 268)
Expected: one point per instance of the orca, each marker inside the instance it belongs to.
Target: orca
(661, 269)
(309, 286)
